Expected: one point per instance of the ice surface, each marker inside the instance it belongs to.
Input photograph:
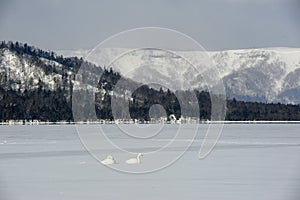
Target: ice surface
(250, 162)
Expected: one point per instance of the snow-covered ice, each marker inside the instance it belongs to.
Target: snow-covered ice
(250, 162)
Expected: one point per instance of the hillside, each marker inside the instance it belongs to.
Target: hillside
(259, 75)
(37, 84)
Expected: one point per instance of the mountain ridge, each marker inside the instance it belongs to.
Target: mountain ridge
(260, 74)
(37, 84)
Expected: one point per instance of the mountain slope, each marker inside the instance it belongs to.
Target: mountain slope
(265, 75)
(24, 67)
(37, 84)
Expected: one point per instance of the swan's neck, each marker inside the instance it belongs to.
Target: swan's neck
(138, 158)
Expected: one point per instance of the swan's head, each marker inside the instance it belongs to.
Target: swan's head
(140, 154)
(109, 157)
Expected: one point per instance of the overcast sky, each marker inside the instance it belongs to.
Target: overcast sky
(216, 24)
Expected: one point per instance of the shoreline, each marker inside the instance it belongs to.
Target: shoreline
(38, 123)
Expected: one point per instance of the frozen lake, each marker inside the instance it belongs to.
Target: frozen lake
(250, 162)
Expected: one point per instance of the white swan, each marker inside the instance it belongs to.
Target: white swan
(109, 160)
(134, 160)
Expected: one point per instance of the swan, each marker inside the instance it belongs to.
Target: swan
(134, 160)
(109, 160)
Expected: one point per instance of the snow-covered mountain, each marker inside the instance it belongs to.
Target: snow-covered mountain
(38, 84)
(266, 75)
